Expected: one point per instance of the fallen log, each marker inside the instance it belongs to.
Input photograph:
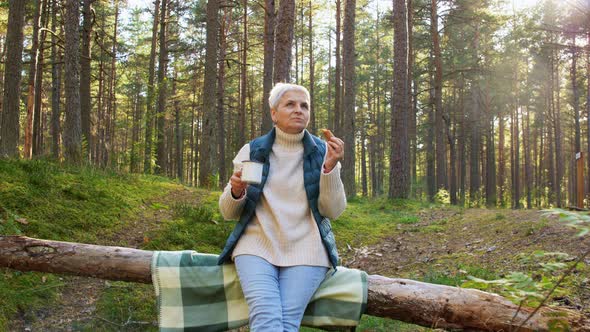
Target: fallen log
(406, 300)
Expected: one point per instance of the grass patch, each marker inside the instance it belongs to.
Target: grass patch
(366, 221)
(125, 306)
(42, 199)
(23, 291)
(198, 228)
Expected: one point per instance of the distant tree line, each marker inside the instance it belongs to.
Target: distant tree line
(470, 102)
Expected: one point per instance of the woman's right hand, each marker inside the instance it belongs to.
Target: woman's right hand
(238, 187)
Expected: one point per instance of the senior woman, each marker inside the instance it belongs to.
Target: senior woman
(283, 244)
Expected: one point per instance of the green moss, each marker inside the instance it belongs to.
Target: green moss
(25, 292)
(124, 307)
(62, 203)
(366, 221)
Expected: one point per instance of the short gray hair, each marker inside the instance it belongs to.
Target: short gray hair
(280, 89)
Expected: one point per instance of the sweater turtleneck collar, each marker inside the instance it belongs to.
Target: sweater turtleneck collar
(288, 141)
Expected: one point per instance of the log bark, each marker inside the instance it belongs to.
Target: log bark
(430, 305)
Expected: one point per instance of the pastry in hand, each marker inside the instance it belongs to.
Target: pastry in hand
(327, 134)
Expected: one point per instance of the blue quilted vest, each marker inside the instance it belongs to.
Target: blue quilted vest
(313, 157)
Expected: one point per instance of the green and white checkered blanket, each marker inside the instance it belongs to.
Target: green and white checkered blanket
(196, 294)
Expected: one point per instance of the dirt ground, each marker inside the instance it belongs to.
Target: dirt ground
(442, 238)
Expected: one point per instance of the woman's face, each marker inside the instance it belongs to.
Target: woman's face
(292, 112)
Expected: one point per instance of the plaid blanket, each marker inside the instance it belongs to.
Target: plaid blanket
(196, 294)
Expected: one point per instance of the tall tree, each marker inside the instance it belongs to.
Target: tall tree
(338, 74)
(161, 155)
(32, 77)
(9, 124)
(399, 177)
(223, 31)
(441, 151)
(429, 141)
(284, 41)
(243, 75)
(501, 159)
(55, 83)
(208, 144)
(109, 147)
(86, 72)
(37, 123)
(72, 128)
(311, 69)
(474, 170)
(349, 77)
(575, 95)
(149, 114)
(269, 45)
(178, 130)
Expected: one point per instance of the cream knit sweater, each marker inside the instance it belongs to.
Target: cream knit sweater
(283, 230)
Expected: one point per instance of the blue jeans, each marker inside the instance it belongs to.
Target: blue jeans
(276, 296)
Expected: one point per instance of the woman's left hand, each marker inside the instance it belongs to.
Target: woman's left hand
(335, 153)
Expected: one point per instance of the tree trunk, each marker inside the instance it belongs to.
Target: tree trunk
(462, 157)
(515, 164)
(221, 135)
(429, 141)
(27, 149)
(112, 155)
(244, 76)
(576, 109)
(412, 104)
(576, 97)
(491, 198)
(179, 133)
(549, 157)
(208, 148)
(338, 74)
(161, 155)
(100, 119)
(441, 151)
(559, 160)
(399, 177)
(37, 114)
(55, 84)
(528, 176)
(269, 45)
(149, 117)
(86, 73)
(137, 118)
(435, 306)
(72, 128)
(363, 129)
(349, 89)
(284, 41)
(501, 160)
(373, 141)
(474, 162)
(9, 123)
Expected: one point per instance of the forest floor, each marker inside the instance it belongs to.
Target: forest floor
(76, 308)
(441, 244)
